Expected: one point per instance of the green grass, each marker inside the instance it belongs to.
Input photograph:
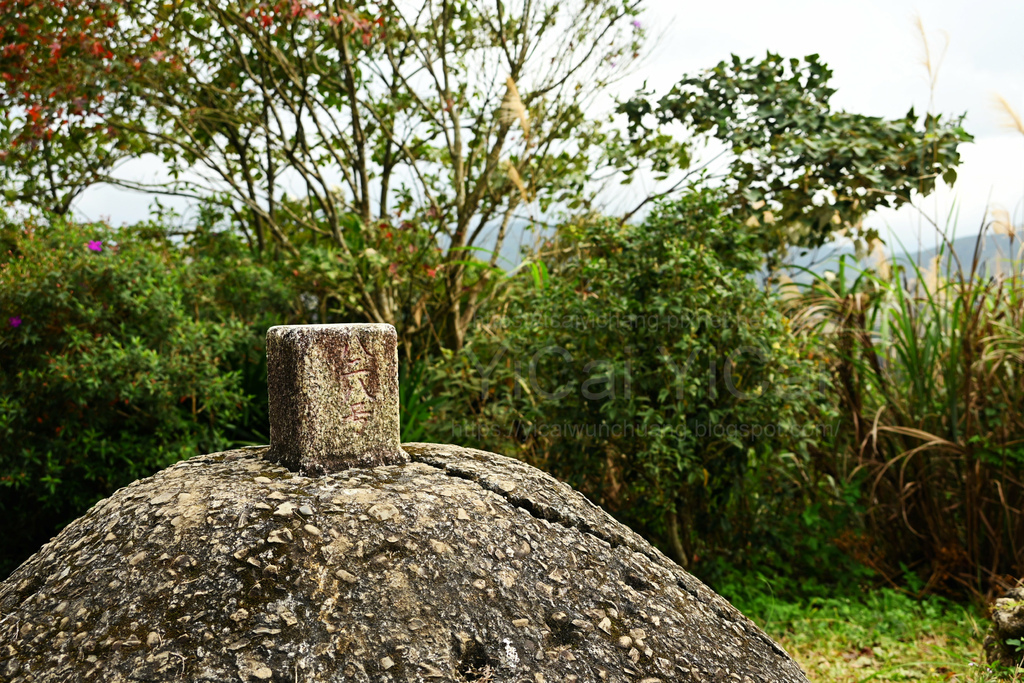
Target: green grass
(881, 635)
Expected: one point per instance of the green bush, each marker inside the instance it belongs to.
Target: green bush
(116, 352)
(644, 365)
(230, 281)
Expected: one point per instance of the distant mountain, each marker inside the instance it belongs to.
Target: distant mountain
(995, 253)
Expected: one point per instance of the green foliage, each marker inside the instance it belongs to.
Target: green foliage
(116, 355)
(643, 365)
(800, 171)
(1018, 646)
(236, 284)
(926, 365)
(450, 117)
(415, 402)
(390, 270)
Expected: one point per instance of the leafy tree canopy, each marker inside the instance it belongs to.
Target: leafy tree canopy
(63, 65)
(800, 172)
(301, 116)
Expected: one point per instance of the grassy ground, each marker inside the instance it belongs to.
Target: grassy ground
(880, 636)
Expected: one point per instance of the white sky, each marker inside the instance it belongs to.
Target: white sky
(875, 52)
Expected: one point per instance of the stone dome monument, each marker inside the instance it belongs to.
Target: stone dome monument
(337, 554)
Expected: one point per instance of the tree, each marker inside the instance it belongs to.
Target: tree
(800, 171)
(323, 122)
(60, 73)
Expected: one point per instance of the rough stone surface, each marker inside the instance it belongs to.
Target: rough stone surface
(1007, 623)
(459, 566)
(333, 397)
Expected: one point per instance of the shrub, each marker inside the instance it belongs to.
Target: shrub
(111, 367)
(645, 366)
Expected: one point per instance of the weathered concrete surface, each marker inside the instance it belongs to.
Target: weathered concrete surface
(461, 566)
(333, 397)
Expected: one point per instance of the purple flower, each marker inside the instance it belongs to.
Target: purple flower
(14, 322)
(95, 245)
(636, 23)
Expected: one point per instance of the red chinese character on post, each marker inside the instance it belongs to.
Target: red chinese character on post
(355, 369)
